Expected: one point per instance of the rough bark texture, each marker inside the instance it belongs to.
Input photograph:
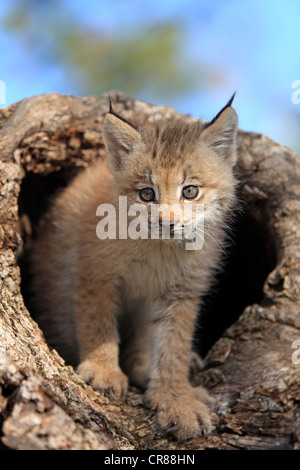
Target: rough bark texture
(250, 369)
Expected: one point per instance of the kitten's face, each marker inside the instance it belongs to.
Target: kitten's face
(177, 165)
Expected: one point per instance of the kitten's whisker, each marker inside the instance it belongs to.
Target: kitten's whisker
(224, 232)
(205, 232)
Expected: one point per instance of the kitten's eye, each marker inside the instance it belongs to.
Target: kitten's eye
(190, 192)
(147, 194)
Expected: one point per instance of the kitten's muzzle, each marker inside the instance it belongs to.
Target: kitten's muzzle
(166, 226)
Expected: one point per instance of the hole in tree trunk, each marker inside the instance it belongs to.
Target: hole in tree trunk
(248, 261)
(37, 192)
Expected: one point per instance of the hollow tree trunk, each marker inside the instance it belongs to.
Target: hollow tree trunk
(252, 342)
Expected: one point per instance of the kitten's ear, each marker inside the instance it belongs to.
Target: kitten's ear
(220, 133)
(119, 139)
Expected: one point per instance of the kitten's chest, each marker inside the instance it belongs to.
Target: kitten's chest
(151, 276)
(165, 274)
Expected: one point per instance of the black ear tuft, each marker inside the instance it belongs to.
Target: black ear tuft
(231, 100)
(111, 111)
(227, 105)
(220, 133)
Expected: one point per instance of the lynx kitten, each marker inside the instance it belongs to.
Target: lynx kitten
(125, 309)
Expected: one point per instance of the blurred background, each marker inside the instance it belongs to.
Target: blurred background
(189, 54)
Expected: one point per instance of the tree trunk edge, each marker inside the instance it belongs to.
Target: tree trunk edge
(252, 370)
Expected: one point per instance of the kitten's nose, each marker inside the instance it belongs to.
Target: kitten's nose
(167, 222)
(170, 221)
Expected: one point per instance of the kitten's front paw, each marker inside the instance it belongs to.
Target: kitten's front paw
(110, 382)
(182, 413)
(196, 363)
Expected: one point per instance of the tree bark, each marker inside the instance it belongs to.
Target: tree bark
(252, 364)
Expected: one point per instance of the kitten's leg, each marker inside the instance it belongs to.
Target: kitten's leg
(181, 408)
(136, 355)
(196, 363)
(98, 338)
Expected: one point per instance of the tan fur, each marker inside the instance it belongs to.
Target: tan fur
(96, 298)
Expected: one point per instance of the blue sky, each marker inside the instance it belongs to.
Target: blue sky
(252, 44)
